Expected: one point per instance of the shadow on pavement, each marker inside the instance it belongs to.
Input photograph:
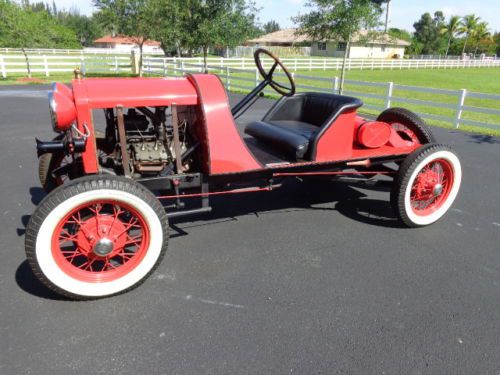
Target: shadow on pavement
(293, 196)
(28, 282)
(480, 138)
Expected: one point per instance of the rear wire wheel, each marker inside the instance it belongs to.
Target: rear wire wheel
(426, 186)
(410, 126)
(96, 237)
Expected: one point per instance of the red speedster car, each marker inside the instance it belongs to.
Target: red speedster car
(103, 227)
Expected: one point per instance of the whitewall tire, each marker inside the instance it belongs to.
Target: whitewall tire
(426, 186)
(96, 237)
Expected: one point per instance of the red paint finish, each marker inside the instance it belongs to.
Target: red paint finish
(85, 123)
(63, 110)
(336, 143)
(386, 150)
(77, 234)
(373, 134)
(63, 89)
(92, 93)
(228, 152)
(139, 92)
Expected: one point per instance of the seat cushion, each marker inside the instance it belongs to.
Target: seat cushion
(290, 137)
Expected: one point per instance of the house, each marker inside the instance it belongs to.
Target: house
(363, 45)
(123, 43)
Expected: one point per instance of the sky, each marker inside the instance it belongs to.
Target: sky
(403, 12)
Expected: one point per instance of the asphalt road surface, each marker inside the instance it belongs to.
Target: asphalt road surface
(309, 279)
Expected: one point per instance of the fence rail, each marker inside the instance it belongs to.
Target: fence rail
(456, 107)
(378, 95)
(301, 63)
(48, 63)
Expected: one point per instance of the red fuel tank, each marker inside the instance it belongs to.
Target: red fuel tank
(373, 134)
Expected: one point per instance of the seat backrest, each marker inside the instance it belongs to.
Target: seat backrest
(313, 108)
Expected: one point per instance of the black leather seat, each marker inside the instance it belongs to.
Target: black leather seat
(291, 137)
(295, 123)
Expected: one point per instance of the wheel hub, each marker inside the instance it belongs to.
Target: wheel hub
(438, 189)
(103, 247)
(102, 236)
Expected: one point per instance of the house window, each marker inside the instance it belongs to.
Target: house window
(341, 46)
(383, 47)
(321, 46)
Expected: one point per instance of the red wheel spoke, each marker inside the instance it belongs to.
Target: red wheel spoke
(79, 241)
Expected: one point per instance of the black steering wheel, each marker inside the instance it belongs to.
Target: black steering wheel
(268, 76)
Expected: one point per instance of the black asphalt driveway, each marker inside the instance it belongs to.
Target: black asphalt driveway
(308, 279)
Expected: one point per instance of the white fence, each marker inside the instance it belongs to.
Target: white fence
(67, 52)
(313, 63)
(451, 105)
(47, 63)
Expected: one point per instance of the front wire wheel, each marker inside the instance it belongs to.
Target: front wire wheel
(96, 237)
(426, 186)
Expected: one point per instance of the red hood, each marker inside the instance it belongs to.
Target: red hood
(134, 92)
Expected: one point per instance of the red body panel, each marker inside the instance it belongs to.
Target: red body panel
(139, 92)
(85, 123)
(226, 149)
(336, 143)
(93, 93)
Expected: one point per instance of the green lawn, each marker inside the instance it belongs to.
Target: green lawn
(482, 80)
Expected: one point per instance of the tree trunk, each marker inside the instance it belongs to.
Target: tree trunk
(465, 44)
(28, 66)
(205, 53)
(140, 58)
(344, 61)
(448, 48)
(178, 48)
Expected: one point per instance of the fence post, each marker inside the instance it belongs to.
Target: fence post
(46, 66)
(2, 67)
(82, 66)
(335, 85)
(461, 102)
(116, 64)
(164, 67)
(228, 79)
(388, 99)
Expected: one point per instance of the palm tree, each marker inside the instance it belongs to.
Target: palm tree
(469, 24)
(479, 33)
(450, 30)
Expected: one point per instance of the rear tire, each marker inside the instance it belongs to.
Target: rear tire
(96, 237)
(409, 125)
(426, 186)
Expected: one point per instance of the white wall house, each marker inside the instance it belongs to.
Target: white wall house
(123, 43)
(363, 44)
(357, 50)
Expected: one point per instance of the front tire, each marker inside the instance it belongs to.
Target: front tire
(96, 237)
(426, 186)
